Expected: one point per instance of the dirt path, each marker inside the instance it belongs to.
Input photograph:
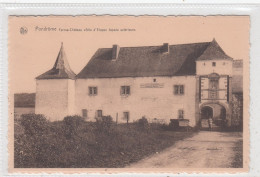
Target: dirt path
(204, 150)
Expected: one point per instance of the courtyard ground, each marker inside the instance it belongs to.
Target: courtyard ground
(203, 150)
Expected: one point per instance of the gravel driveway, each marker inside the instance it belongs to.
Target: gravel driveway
(204, 150)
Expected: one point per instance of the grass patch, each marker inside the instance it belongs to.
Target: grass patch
(84, 145)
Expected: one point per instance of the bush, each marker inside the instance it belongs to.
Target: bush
(165, 127)
(34, 124)
(143, 123)
(72, 125)
(104, 124)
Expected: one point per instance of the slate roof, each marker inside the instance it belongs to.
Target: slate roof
(151, 61)
(214, 52)
(61, 68)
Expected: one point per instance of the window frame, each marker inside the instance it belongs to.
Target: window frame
(179, 89)
(124, 89)
(84, 111)
(99, 111)
(126, 113)
(180, 114)
(91, 90)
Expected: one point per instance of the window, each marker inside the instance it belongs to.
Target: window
(178, 89)
(213, 88)
(125, 90)
(154, 80)
(126, 115)
(92, 90)
(181, 114)
(99, 113)
(84, 113)
(213, 63)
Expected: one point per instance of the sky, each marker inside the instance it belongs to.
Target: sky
(34, 52)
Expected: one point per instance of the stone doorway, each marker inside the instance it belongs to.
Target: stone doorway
(217, 112)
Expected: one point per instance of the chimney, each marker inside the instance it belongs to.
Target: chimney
(115, 52)
(165, 48)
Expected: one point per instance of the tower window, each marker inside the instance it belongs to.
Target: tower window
(213, 63)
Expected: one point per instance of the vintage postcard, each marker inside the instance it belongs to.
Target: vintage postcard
(141, 94)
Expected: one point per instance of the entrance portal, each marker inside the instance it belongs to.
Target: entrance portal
(206, 112)
(218, 114)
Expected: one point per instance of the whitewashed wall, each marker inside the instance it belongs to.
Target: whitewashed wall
(153, 103)
(223, 67)
(71, 97)
(54, 98)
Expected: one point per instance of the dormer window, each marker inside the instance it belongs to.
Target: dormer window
(213, 64)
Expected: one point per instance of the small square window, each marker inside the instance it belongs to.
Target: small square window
(154, 80)
(125, 90)
(92, 91)
(178, 89)
(213, 63)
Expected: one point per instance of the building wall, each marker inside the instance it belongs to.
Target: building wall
(71, 97)
(157, 102)
(52, 98)
(223, 67)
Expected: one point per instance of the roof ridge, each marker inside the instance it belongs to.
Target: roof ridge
(159, 45)
(142, 61)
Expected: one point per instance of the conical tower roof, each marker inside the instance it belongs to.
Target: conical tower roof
(214, 52)
(61, 68)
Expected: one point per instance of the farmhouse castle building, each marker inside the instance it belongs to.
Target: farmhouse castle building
(185, 81)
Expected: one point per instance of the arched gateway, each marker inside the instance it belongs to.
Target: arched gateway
(216, 111)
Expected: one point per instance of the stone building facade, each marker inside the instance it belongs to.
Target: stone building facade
(184, 81)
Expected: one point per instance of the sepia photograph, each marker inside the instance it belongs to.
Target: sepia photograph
(125, 92)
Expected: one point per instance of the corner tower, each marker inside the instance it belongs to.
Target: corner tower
(55, 90)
